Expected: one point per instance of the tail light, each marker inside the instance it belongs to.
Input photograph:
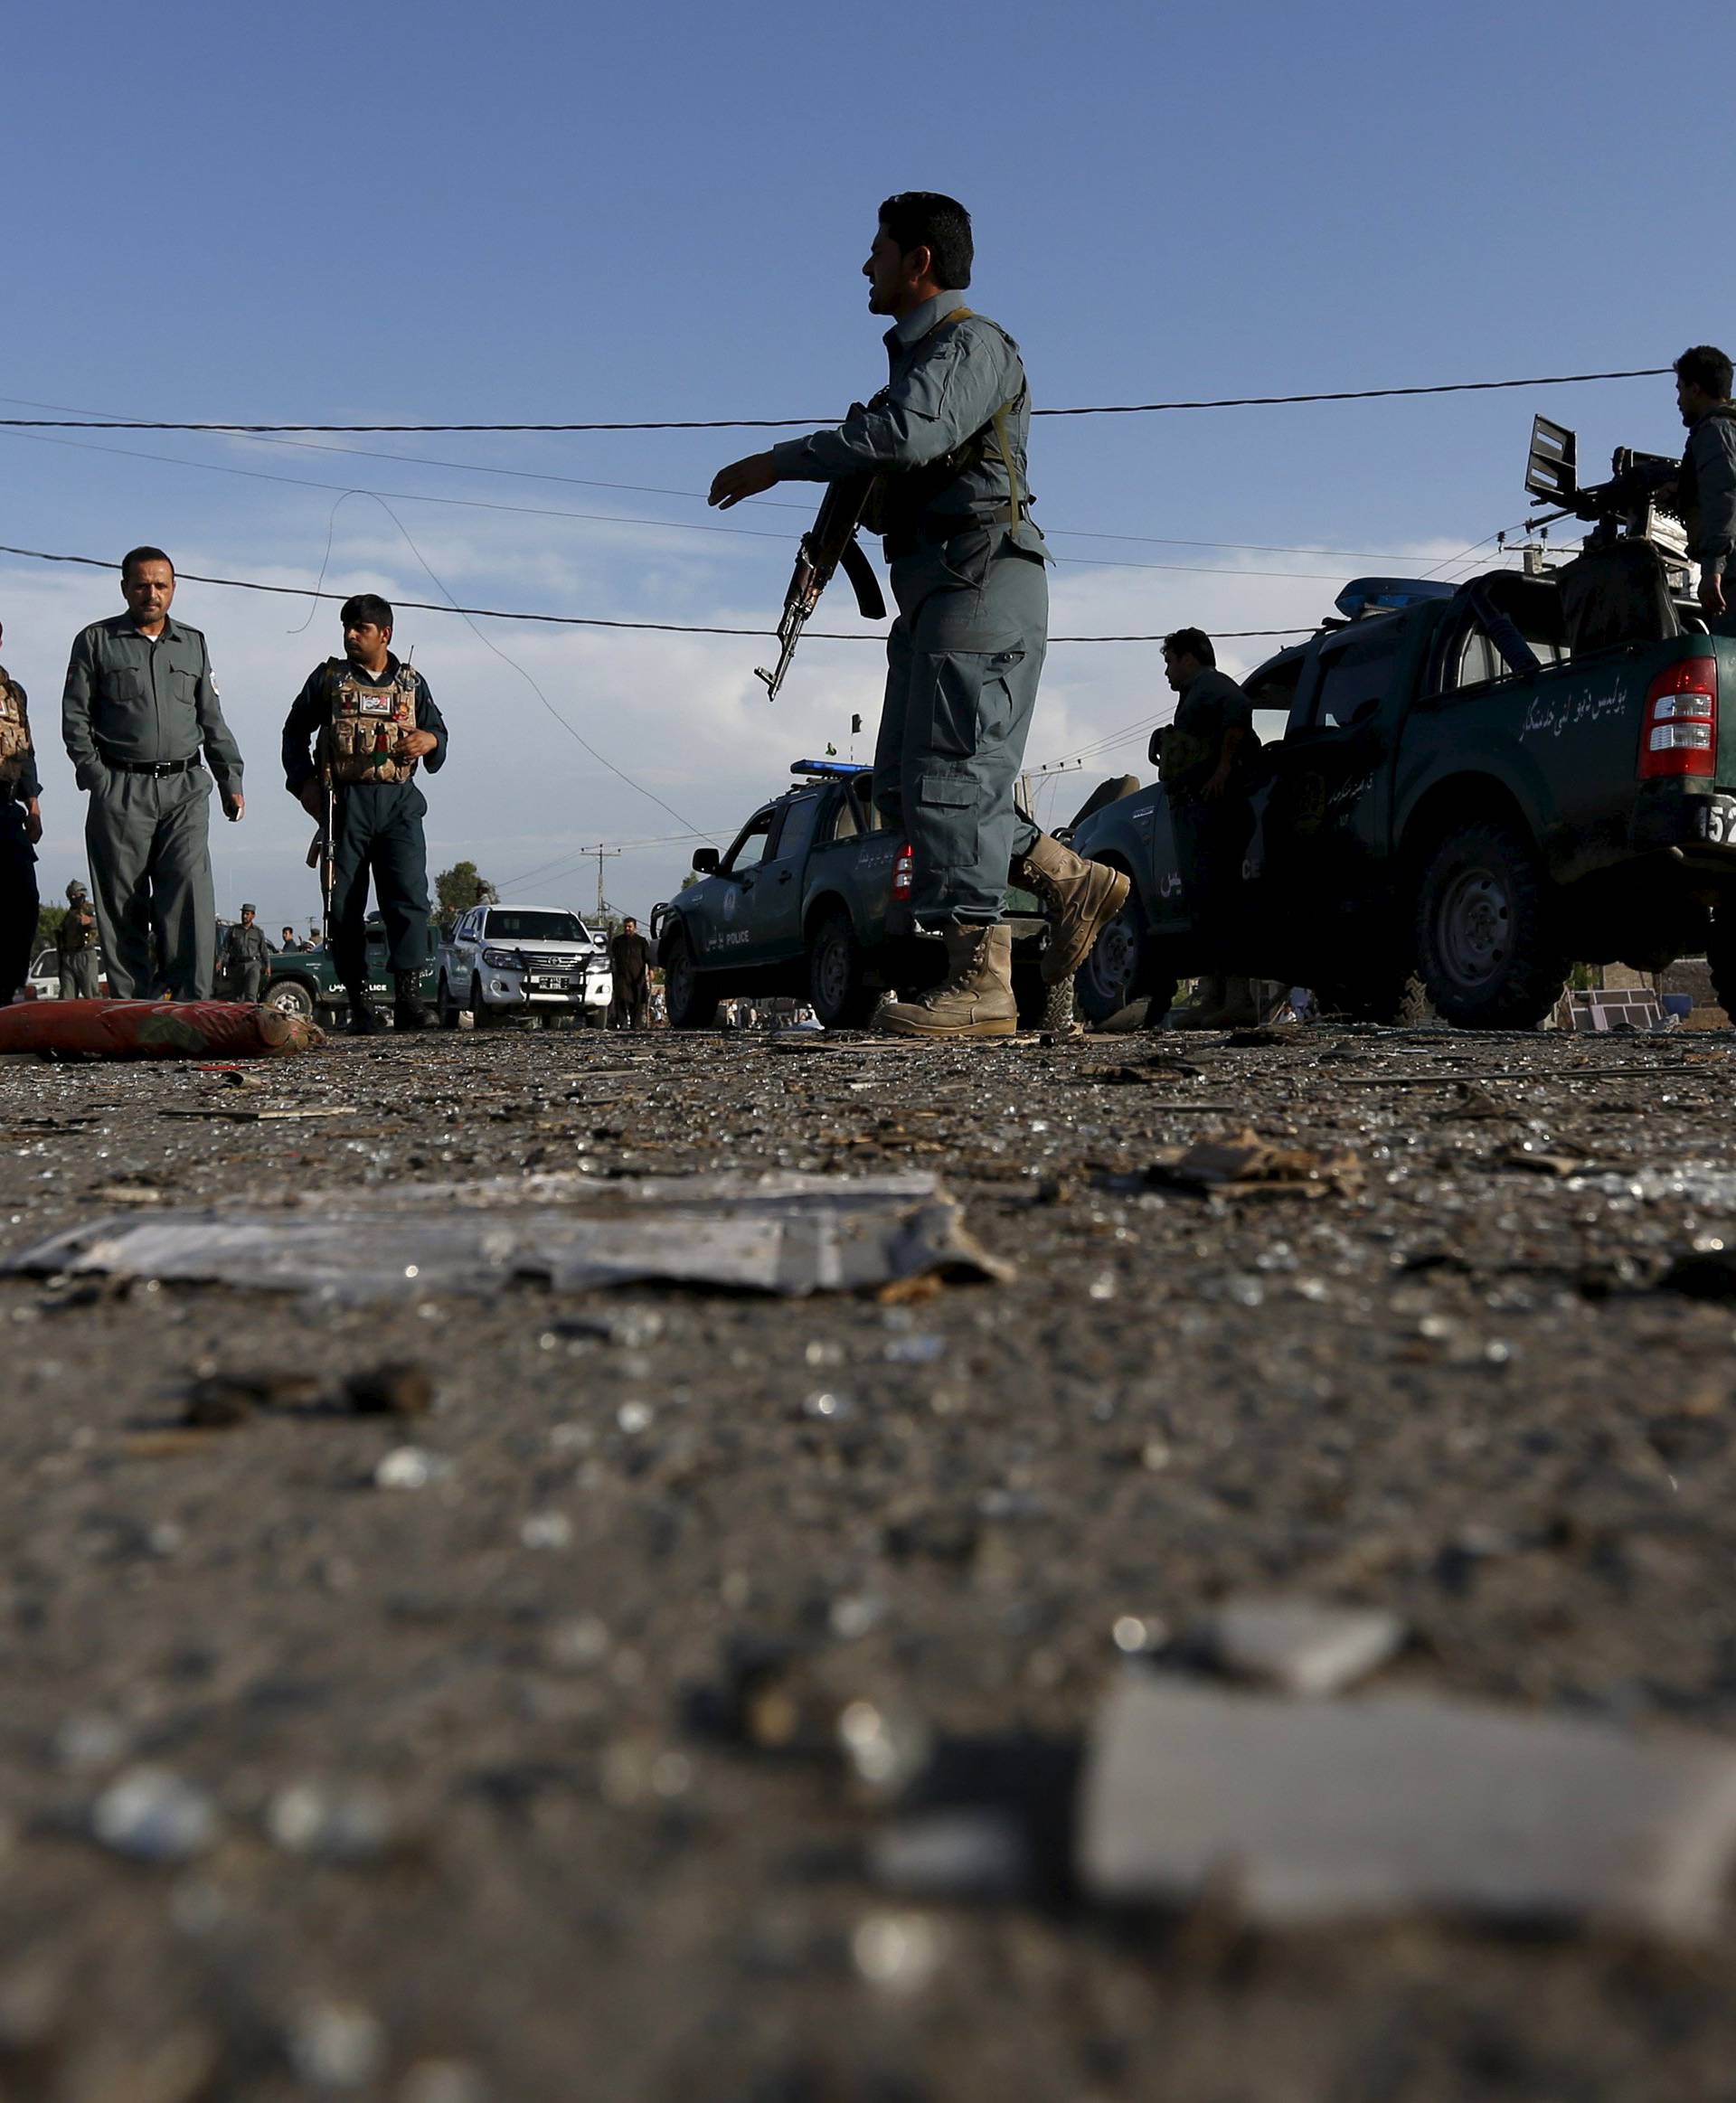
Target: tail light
(903, 870)
(1679, 730)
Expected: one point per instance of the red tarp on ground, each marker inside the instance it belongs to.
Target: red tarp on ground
(153, 1028)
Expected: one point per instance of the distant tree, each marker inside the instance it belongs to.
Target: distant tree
(48, 925)
(459, 888)
(688, 881)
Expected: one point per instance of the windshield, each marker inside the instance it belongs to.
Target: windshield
(508, 925)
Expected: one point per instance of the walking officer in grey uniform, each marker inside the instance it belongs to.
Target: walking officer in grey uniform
(246, 959)
(21, 829)
(947, 436)
(75, 946)
(140, 705)
(370, 721)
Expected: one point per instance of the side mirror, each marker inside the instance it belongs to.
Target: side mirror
(705, 861)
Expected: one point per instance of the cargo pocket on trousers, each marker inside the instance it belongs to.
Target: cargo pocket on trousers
(945, 822)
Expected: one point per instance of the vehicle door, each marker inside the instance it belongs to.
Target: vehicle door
(719, 908)
(852, 856)
(777, 886)
(1322, 836)
(380, 984)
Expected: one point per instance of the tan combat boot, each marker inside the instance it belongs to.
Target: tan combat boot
(1083, 898)
(975, 999)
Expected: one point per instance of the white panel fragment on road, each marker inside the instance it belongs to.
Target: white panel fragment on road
(1305, 1812)
(1302, 1646)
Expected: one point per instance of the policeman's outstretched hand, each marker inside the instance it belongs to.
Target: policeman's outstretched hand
(749, 477)
(416, 744)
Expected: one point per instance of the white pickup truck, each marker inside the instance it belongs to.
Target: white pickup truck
(505, 960)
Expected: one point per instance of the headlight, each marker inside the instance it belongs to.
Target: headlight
(503, 960)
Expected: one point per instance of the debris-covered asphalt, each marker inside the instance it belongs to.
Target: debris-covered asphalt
(671, 1693)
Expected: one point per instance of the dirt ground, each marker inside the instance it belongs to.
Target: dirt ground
(527, 1783)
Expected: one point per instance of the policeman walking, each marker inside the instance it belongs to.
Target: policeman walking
(1205, 756)
(75, 944)
(629, 962)
(246, 959)
(1705, 489)
(141, 704)
(20, 828)
(370, 721)
(948, 438)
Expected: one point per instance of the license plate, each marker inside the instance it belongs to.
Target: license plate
(543, 984)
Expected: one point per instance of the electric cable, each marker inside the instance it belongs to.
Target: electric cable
(820, 422)
(567, 620)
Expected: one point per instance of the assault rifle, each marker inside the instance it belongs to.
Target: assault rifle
(828, 544)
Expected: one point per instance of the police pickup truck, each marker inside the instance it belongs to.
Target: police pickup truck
(1470, 787)
(813, 900)
(305, 982)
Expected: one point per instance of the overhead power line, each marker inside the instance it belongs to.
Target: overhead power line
(720, 423)
(565, 620)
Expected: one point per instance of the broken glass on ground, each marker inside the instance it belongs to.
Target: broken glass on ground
(1305, 1812)
(787, 1234)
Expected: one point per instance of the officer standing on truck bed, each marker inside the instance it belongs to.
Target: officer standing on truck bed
(1705, 489)
(946, 437)
(20, 828)
(140, 705)
(1205, 768)
(370, 721)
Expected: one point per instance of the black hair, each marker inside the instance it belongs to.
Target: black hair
(366, 608)
(924, 219)
(1191, 643)
(134, 556)
(1706, 367)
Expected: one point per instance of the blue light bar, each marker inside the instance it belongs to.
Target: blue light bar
(844, 767)
(1388, 594)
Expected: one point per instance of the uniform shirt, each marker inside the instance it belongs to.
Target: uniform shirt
(1710, 465)
(19, 777)
(313, 710)
(73, 936)
(1211, 706)
(244, 946)
(629, 955)
(944, 386)
(132, 696)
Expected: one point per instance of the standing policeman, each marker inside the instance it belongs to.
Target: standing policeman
(1706, 487)
(141, 704)
(246, 959)
(21, 828)
(370, 721)
(948, 435)
(75, 944)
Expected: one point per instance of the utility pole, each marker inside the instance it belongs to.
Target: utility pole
(603, 854)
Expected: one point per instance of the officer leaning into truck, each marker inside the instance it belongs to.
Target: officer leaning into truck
(370, 722)
(947, 437)
(1705, 489)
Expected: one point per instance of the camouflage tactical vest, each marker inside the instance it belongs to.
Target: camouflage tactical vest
(366, 722)
(14, 729)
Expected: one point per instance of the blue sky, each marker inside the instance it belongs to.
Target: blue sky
(384, 212)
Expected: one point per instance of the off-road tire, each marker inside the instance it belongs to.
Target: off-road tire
(480, 1018)
(446, 1006)
(691, 1003)
(290, 996)
(1486, 944)
(835, 987)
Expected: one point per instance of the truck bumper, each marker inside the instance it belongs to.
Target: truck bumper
(1701, 826)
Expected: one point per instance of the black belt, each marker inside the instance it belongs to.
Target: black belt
(933, 533)
(157, 769)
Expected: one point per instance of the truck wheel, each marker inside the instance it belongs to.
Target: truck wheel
(480, 1016)
(1486, 949)
(290, 996)
(835, 982)
(1116, 970)
(446, 1004)
(692, 1003)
